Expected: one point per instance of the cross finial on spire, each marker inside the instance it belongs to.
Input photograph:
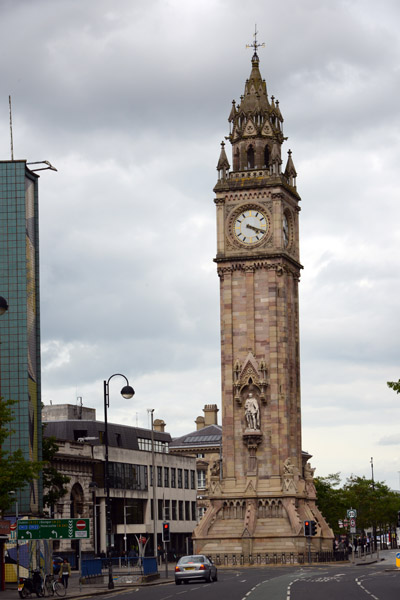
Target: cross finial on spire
(255, 44)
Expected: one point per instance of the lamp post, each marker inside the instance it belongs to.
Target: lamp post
(155, 507)
(127, 392)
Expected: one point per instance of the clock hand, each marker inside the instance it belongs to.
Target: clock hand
(257, 229)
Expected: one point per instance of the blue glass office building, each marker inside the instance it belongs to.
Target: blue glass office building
(20, 325)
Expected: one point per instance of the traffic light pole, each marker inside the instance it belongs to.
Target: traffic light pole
(166, 558)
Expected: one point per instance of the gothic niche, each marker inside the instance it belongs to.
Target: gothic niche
(251, 378)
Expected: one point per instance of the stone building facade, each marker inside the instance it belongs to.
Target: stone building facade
(205, 444)
(81, 456)
(266, 490)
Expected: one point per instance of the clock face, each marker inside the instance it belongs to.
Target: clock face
(250, 226)
(285, 231)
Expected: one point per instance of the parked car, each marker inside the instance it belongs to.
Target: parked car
(57, 562)
(196, 566)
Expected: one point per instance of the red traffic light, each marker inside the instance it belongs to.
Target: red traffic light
(165, 532)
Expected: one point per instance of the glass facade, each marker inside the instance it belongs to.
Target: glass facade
(20, 325)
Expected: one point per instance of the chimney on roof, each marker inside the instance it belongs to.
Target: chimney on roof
(159, 425)
(210, 414)
(200, 422)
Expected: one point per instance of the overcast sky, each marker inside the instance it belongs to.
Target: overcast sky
(130, 100)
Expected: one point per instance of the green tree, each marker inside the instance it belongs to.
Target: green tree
(53, 481)
(331, 499)
(394, 385)
(15, 470)
(376, 504)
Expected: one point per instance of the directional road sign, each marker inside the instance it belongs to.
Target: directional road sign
(53, 529)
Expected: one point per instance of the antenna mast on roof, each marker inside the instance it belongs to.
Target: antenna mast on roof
(11, 131)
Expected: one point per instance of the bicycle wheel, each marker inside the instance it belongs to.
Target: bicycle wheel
(49, 588)
(59, 588)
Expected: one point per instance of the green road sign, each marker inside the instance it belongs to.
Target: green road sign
(53, 529)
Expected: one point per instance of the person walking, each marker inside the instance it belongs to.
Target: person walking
(65, 572)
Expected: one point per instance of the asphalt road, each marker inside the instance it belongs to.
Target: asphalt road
(378, 581)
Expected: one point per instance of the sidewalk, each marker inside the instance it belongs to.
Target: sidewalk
(123, 579)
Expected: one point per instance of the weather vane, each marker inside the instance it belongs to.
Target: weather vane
(255, 44)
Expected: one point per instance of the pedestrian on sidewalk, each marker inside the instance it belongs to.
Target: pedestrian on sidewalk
(65, 572)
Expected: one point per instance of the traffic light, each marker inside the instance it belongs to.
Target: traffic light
(165, 532)
(307, 528)
(313, 528)
(398, 519)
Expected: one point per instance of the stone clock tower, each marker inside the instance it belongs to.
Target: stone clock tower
(263, 490)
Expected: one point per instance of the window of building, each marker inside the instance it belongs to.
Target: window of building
(125, 476)
(151, 475)
(200, 455)
(193, 511)
(187, 510)
(180, 509)
(160, 510)
(173, 510)
(200, 512)
(180, 482)
(173, 477)
(80, 434)
(166, 476)
(192, 479)
(159, 445)
(186, 479)
(201, 479)
(159, 476)
(167, 512)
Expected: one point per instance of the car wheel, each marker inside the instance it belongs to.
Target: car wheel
(178, 581)
(216, 576)
(208, 578)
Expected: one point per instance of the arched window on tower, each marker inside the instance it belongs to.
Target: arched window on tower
(236, 160)
(250, 157)
(266, 156)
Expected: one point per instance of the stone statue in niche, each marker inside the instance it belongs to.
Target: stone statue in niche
(216, 468)
(252, 412)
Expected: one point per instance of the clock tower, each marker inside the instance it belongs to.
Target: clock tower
(263, 490)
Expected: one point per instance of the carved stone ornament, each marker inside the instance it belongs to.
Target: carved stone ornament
(290, 477)
(252, 440)
(308, 472)
(250, 378)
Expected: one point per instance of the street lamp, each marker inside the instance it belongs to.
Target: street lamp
(3, 305)
(127, 392)
(155, 507)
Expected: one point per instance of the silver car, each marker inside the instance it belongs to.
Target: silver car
(196, 566)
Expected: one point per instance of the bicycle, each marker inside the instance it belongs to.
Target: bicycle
(51, 586)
